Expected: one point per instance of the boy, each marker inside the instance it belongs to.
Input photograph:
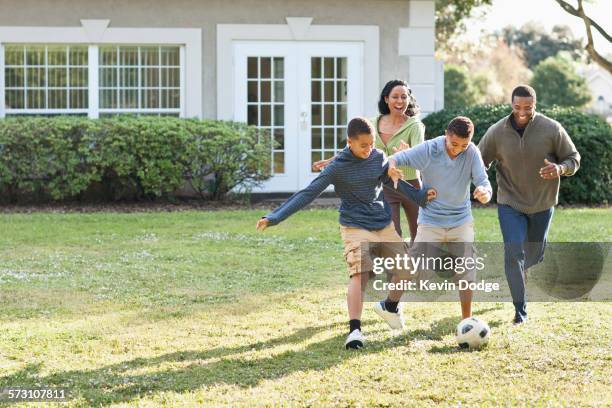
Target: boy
(358, 174)
(448, 164)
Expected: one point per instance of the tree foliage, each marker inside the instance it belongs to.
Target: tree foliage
(451, 16)
(556, 82)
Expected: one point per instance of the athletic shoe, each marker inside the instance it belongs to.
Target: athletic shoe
(354, 340)
(519, 318)
(394, 320)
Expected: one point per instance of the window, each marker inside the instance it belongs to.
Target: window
(140, 79)
(55, 79)
(46, 79)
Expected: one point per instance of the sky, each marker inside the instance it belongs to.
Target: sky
(548, 13)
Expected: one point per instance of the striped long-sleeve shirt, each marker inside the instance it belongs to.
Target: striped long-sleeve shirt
(358, 183)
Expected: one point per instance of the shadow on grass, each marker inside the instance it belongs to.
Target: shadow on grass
(223, 365)
(455, 348)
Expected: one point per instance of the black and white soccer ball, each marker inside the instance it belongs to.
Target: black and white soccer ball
(473, 333)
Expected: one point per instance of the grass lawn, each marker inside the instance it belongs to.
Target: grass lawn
(197, 308)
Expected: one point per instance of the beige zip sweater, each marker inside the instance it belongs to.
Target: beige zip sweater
(519, 160)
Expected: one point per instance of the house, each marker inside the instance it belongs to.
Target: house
(599, 82)
(298, 68)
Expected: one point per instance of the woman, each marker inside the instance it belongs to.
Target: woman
(398, 127)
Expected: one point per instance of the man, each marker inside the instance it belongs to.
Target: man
(532, 152)
(448, 164)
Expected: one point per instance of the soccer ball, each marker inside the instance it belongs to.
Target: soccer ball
(473, 333)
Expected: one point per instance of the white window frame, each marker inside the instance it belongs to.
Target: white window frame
(296, 29)
(96, 33)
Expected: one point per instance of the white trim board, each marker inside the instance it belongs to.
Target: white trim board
(296, 29)
(94, 32)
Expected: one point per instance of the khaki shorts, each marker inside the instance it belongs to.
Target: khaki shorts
(457, 243)
(356, 240)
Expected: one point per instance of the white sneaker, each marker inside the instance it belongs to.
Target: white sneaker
(354, 340)
(394, 320)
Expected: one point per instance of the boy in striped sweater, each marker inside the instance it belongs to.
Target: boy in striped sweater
(358, 174)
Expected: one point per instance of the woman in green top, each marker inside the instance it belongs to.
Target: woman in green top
(398, 127)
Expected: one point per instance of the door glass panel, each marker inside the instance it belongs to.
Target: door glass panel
(265, 103)
(329, 106)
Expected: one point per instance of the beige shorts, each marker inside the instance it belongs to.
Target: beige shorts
(456, 243)
(356, 240)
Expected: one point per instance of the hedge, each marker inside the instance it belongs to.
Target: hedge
(592, 184)
(127, 157)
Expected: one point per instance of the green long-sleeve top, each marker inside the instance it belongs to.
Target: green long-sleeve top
(412, 132)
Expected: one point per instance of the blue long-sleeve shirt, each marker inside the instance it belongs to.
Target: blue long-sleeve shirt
(449, 177)
(358, 183)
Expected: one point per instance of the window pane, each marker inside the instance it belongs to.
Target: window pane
(150, 77)
(315, 91)
(252, 71)
(315, 68)
(266, 92)
(279, 139)
(13, 55)
(341, 136)
(328, 115)
(328, 68)
(316, 156)
(108, 77)
(108, 99)
(149, 55)
(341, 91)
(252, 115)
(14, 99)
(36, 99)
(315, 138)
(265, 115)
(108, 56)
(279, 162)
(316, 115)
(170, 56)
(13, 77)
(35, 55)
(78, 56)
(252, 91)
(128, 99)
(328, 138)
(57, 77)
(79, 99)
(128, 56)
(171, 77)
(264, 65)
(279, 115)
(150, 99)
(341, 114)
(58, 99)
(341, 67)
(279, 91)
(78, 77)
(279, 68)
(57, 55)
(328, 91)
(35, 77)
(128, 77)
(170, 99)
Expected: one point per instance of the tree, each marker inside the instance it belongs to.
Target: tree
(537, 44)
(451, 14)
(459, 89)
(494, 67)
(556, 82)
(588, 24)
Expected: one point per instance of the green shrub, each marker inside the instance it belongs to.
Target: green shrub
(226, 155)
(127, 157)
(592, 184)
(459, 88)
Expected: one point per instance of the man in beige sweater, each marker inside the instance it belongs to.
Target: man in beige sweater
(532, 152)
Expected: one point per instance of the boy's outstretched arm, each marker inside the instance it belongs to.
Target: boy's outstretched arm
(297, 201)
(391, 180)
